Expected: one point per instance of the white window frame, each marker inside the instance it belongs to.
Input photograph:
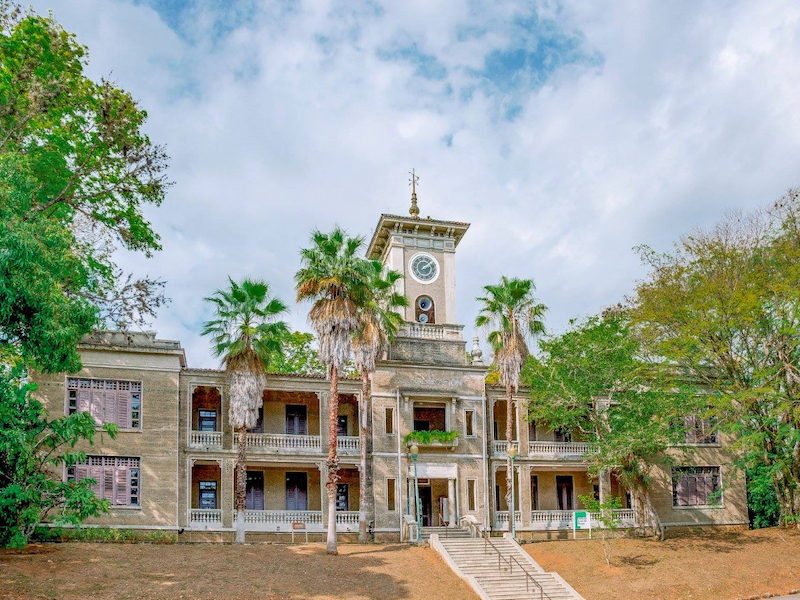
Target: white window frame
(474, 423)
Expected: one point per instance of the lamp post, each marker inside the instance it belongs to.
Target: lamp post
(414, 453)
(512, 454)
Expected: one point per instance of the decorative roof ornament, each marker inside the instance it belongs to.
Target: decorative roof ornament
(477, 353)
(414, 210)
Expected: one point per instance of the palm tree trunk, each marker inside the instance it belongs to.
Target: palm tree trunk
(365, 484)
(241, 484)
(333, 459)
(509, 438)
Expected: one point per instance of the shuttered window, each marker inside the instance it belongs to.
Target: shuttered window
(391, 490)
(700, 430)
(116, 478)
(107, 400)
(696, 486)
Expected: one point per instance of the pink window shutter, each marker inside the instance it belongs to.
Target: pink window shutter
(96, 473)
(108, 484)
(97, 406)
(124, 409)
(122, 495)
(84, 401)
(81, 472)
(110, 406)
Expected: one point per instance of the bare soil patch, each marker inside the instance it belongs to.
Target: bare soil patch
(266, 572)
(710, 566)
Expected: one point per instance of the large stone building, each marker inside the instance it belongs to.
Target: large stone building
(172, 465)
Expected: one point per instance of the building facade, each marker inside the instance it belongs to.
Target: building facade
(172, 466)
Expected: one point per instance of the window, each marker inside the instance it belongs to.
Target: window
(388, 423)
(107, 400)
(471, 501)
(208, 494)
(429, 417)
(531, 431)
(116, 478)
(562, 435)
(341, 425)
(296, 419)
(207, 420)
(699, 430)
(469, 423)
(535, 492)
(259, 427)
(696, 486)
(391, 492)
(342, 497)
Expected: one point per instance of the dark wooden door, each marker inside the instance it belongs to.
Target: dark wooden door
(296, 491)
(296, 419)
(254, 496)
(564, 490)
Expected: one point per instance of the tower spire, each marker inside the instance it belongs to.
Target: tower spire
(414, 210)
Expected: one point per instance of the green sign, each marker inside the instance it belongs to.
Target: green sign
(582, 520)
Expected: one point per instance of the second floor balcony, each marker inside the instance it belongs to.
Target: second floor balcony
(545, 450)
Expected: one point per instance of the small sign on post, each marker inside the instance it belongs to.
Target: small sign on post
(581, 520)
(299, 526)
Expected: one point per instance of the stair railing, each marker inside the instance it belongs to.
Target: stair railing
(510, 561)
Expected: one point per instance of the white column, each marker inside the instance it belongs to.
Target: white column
(323, 492)
(451, 501)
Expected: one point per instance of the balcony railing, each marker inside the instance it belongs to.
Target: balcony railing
(280, 441)
(499, 447)
(559, 449)
(431, 332)
(552, 450)
(205, 517)
(284, 520)
(501, 519)
(348, 444)
(545, 520)
(209, 439)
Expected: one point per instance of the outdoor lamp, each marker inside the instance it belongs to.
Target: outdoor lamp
(414, 451)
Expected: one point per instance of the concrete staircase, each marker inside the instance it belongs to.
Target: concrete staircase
(476, 562)
(445, 533)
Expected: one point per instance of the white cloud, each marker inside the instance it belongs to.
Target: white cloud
(282, 119)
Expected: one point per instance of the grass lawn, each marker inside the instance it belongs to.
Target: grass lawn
(266, 572)
(712, 566)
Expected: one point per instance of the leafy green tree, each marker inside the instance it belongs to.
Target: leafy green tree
(247, 333)
(379, 323)
(512, 314)
(603, 512)
(298, 355)
(724, 306)
(762, 503)
(75, 172)
(336, 279)
(593, 380)
(33, 451)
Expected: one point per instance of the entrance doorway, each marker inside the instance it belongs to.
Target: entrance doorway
(425, 498)
(564, 489)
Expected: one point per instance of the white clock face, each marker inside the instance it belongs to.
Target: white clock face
(424, 268)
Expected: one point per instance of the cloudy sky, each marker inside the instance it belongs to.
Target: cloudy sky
(566, 132)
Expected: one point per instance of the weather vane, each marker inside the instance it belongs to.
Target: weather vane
(413, 181)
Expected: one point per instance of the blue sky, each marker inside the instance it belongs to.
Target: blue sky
(566, 132)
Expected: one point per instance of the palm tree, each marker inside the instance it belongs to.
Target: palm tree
(246, 333)
(337, 281)
(379, 324)
(512, 314)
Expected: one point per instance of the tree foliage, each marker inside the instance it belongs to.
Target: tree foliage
(594, 379)
(76, 170)
(33, 451)
(725, 307)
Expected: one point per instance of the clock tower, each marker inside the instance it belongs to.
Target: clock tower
(423, 250)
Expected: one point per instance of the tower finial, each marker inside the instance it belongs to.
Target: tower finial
(414, 210)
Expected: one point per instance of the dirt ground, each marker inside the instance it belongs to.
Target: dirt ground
(721, 566)
(266, 572)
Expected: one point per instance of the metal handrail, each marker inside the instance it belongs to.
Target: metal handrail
(500, 559)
